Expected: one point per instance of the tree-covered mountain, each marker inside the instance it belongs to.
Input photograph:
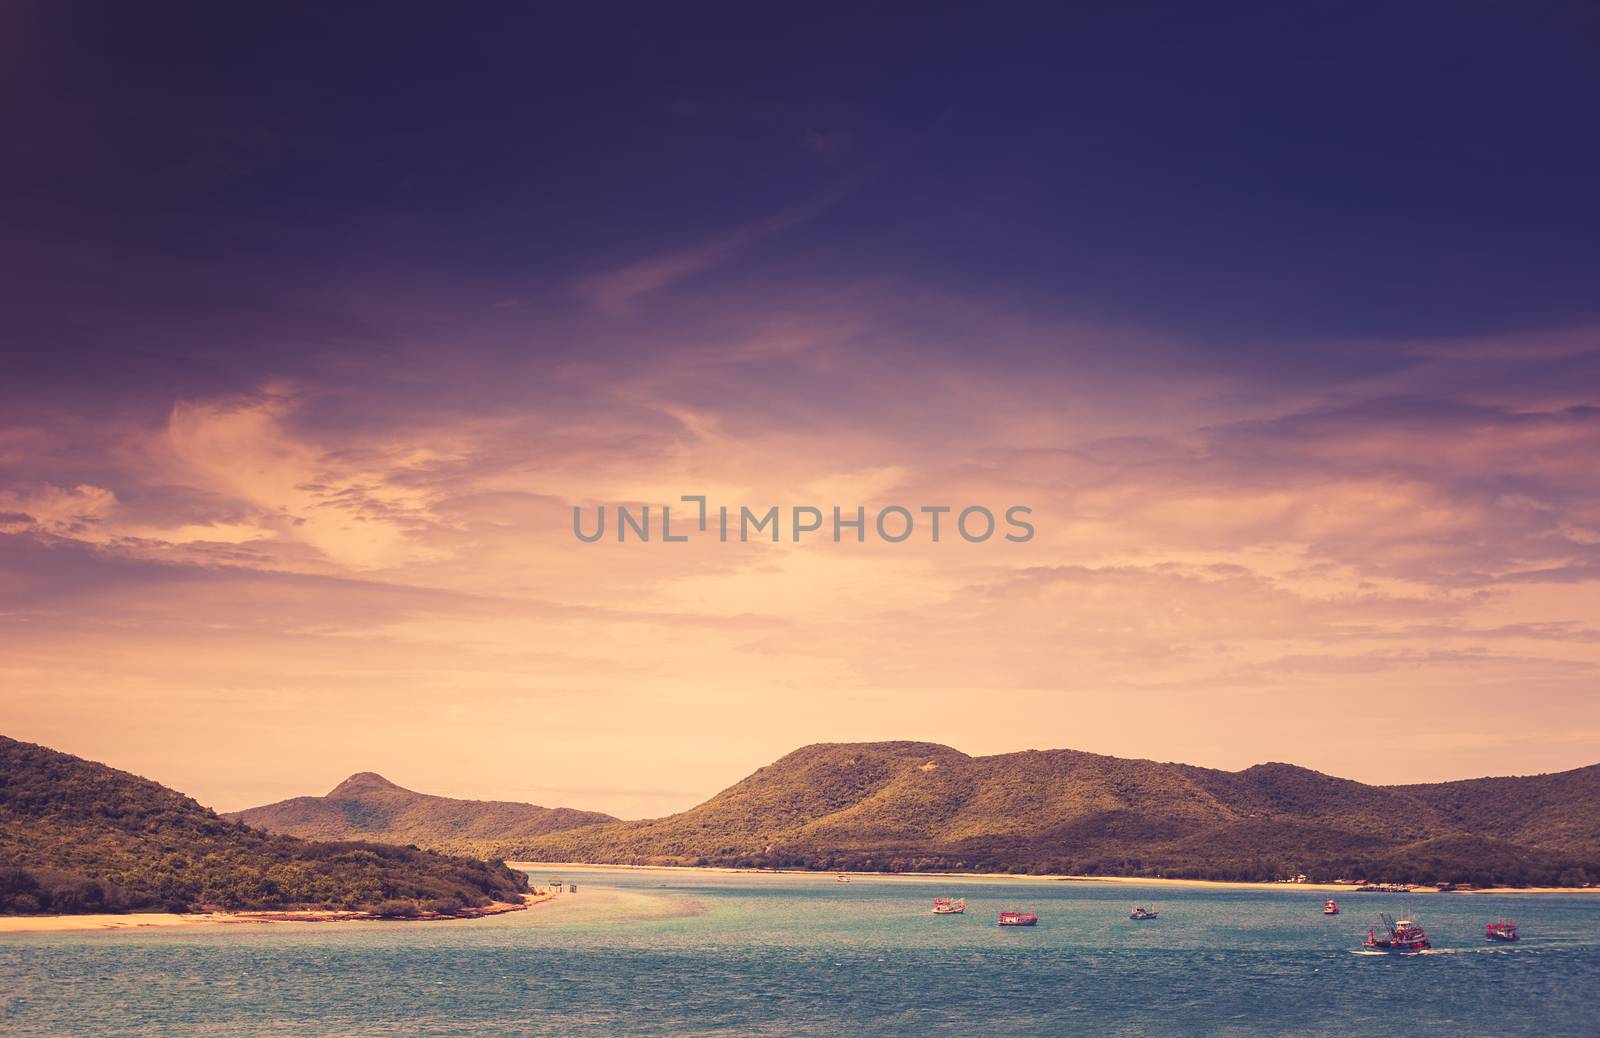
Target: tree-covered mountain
(77, 836)
(920, 806)
(367, 806)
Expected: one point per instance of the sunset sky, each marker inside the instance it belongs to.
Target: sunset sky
(317, 326)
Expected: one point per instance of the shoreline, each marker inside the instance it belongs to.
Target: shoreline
(104, 922)
(1204, 884)
(135, 921)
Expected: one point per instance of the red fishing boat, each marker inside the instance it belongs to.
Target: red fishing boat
(1404, 937)
(946, 906)
(1018, 919)
(1503, 930)
(1330, 907)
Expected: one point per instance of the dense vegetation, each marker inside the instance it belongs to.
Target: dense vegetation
(369, 807)
(921, 806)
(76, 836)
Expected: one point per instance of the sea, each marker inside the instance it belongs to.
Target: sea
(676, 952)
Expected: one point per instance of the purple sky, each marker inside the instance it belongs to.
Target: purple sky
(318, 325)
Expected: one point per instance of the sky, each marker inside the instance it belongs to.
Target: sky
(319, 324)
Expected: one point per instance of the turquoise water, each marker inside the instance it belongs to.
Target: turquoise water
(782, 955)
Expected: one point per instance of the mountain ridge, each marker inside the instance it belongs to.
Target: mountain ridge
(370, 807)
(916, 805)
(80, 836)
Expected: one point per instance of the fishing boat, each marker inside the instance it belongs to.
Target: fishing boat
(1141, 912)
(841, 878)
(1404, 937)
(1502, 930)
(946, 906)
(1330, 907)
(1018, 919)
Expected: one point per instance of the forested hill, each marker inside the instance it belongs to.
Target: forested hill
(921, 806)
(367, 806)
(76, 836)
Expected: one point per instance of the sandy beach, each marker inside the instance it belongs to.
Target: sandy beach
(990, 877)
(172, 920)
(594, 904)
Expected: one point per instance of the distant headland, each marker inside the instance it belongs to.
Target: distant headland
(923, 807)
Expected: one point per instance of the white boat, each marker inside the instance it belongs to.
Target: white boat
(1141, 912)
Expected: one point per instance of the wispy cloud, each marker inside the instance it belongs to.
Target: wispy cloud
(341, 544)
(615, 291)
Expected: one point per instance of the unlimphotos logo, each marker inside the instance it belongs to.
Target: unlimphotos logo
(893, 524)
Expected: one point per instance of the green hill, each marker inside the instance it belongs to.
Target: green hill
(76, 836)
(370, 807)
(922, 806)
